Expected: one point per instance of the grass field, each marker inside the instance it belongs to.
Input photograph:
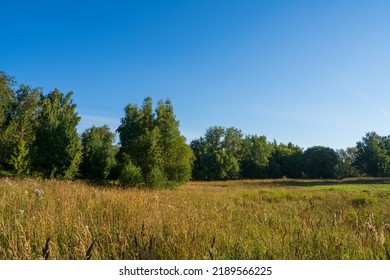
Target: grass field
(279, 219)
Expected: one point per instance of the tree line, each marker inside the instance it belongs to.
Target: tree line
(38, 137)
(225, 153)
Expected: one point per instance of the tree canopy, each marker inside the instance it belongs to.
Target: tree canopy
(58, 145)
(151, 146)
(373, 155)
(98, 152)
(320, 162)
(38, 137)
(217, 154)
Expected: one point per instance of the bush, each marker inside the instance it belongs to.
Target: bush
(130, 175)
(156, 179)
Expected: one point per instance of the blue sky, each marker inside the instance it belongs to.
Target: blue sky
(307, 72)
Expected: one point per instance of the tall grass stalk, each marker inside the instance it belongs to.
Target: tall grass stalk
(201, 220)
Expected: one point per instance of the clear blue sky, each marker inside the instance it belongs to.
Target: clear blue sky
(307, 72)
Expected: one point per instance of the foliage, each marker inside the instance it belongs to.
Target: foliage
(18, 123)
(198, 147)
(152, 141)
(255, 158)
(7, 97)
(157, 179)
(346, 167)
(98, 152)
(217, 154)
(373, 155)
(233, 142)
(320, 162)
(130, 175)
(38, 137)
(286, 161)
(57, 143)
(20, 159)
(177, 155)
(220, 165)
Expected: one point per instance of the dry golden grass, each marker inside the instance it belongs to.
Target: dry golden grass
(202, 220)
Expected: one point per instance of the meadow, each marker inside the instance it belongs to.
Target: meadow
(258, 219)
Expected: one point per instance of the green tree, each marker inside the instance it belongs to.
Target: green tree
(256, 152)
(220, 165)
(152, 142)
(285, 161)
(7, 97)
(177, 155)
(373, 155)
(345, 166)
(199, 149)
(24, 124)
(217, 154)
(20, 159)
(214, 138)
(232, 142)
(18, 123)
(320, 162)
(129, 173)
(98, 152)
(58, 146)
(139, 139)
(135, 134)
